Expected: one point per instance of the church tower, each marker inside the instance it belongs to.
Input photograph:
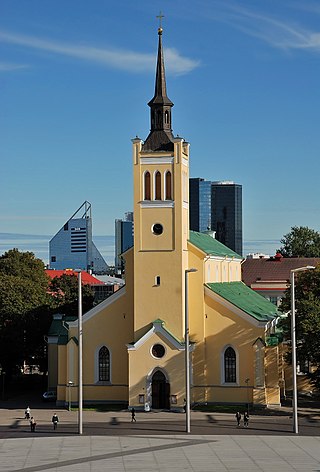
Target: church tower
(161, 216)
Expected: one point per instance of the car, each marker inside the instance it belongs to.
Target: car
(49, 396)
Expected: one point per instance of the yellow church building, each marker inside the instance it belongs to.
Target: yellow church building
(133, 342)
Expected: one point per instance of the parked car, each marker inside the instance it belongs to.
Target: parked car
(49, 396)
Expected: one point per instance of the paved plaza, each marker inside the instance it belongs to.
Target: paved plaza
(157, 442)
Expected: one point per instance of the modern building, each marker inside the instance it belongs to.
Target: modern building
(226, 214)
(123, 240)
(200, 204)
(217, 206)
(134, 347)
(72, 246)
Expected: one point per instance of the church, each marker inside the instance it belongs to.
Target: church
(134, 341)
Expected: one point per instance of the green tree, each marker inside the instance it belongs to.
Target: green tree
(24, 309)
(307, 301)
(301, 242)
(28, 298)
(64, 292)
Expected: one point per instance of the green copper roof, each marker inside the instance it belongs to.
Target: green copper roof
(59, 328)
(209, 245)
(246, 299)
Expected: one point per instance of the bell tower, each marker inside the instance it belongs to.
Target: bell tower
(161, 215)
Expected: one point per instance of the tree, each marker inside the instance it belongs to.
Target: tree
(24, 309)
(27, 301)
(301, 242)
(64, 292)
(307, 301)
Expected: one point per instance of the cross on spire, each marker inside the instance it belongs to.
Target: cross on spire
(160, 16)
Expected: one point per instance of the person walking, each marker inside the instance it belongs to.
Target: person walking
(238, 418)
(55, 420)
(246, 419)
(27, 413)
(33, 425)
(133, 415)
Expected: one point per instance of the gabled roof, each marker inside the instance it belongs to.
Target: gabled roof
(158, 328)
(86, 278)
(59, 329)
(273, 269)
(211, 246)
(243, 297)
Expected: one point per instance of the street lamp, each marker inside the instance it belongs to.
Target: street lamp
(186, 348)
(293, 348)
(247, 383)
(70, 383)
(2, 373)
(80, 388)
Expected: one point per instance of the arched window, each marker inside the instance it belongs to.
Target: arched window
(158, 186)
(104, 364)
(158, 117)
(168, 186)
(147, 190)
(166, 117)
(230, 366)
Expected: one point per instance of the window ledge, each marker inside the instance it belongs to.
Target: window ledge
(103, 382)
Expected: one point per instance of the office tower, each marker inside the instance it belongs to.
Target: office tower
(72, 246)
(217, 206)
(226, 214)
(123, 239)
(200, 204)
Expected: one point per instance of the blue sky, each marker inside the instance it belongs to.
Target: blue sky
(75, 79)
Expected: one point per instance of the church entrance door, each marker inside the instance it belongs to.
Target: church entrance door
(160, 391)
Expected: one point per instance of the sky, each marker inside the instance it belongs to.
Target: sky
(75, 79)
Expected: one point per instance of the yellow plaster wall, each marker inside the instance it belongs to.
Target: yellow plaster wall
(52, 366)
(222, 328)
(162, 255)
(111, 327)
(272, 375)
(62, 372)
(143, 363)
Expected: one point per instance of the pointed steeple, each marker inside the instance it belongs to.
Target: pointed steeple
(160, 137)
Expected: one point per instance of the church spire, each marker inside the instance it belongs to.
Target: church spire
(160, 137)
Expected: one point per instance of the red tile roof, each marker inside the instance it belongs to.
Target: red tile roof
(86, 278)
(273, 269)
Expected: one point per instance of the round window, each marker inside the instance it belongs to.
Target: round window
(157, 228)
(158, 351)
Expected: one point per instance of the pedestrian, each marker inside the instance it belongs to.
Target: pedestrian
(33, 424)
(238, 418)
(55, 420)
(27, 413)
(184, 405)
(246, 419)
(133, 415)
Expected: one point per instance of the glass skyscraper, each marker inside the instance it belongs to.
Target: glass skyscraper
(200, 204)
(123, 239)
(226, 214)
(217, 206)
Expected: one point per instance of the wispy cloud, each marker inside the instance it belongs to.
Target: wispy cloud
(282, 33)
(8, 67)
(115, 58)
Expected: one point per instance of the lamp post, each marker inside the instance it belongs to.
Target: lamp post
(2, 373)
(186, 348)
(80, 388)
(247, 383)
(293, 347)
(70, 383)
